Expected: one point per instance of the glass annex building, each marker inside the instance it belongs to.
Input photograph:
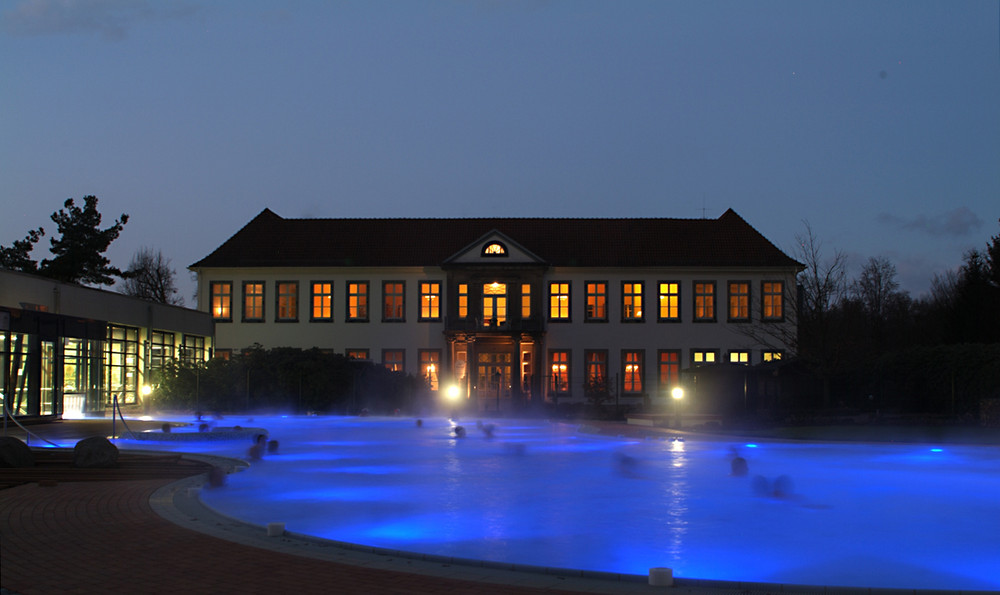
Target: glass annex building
(67, 350)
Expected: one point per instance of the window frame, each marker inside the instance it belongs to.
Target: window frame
(261, 296)
(313, 295)
(764, 305)
(629, 379)
(560, 301)
(631, 307)
(559, 357)
(430, 301)
(771, 355)
(352, 296)
(423, 362)
(398, 313)
(526, 309)
(590, 364)
(713, 352)
(674, 296)
(745, 353)
(279, 295)
(227, 297)
(392, 366)
(358, 354)
(741, 306)
(462, 301)
(704, 301)
(671, 378)
(595, 296)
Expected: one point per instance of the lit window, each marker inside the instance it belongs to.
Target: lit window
(669, 373)
(525, 300)
(773, 301)
(704, 356)
(463, 301)
(494, 249)
(430, 366)
(632, 371)
(739, 357)
(631, 302)
(358, 354)
(392, 301)
(430, 300)
(357, 301)
(739, 300)
(253, 301)
(288, 301)
(222, 300)
(558, 301)
(494, 304)
(704, 301)
(597, 301)
(392, 359)
(559, 375)
(670, 301)
(194, 349)
(597, 368)
(771, 356)
(322, 301)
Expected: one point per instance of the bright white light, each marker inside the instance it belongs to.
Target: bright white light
(146, 390)
(677, 393)
(454, 392)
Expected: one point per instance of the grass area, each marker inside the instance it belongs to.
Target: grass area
(880, 433)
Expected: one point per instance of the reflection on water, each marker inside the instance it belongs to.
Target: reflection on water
(544, 494)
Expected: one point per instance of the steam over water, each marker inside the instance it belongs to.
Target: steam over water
(910, 516)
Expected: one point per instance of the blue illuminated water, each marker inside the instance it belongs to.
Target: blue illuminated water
(886, 515)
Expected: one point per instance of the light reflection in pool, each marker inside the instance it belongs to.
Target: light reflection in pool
(544, 494)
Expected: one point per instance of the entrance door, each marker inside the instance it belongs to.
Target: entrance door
(493, 386)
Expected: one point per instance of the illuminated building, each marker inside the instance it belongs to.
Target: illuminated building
(515, 310)
(67, 350)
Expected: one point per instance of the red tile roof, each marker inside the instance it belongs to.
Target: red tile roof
(273, 241)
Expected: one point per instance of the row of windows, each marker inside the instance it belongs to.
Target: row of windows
(494, 302)
(633, 367)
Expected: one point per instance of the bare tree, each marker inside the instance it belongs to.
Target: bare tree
(824, 280)
(150, 277)
(876, 289)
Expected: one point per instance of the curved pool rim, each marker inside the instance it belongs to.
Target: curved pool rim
(611, 431)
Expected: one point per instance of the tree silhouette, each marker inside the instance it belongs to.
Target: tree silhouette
(79, 250)
(150, 277)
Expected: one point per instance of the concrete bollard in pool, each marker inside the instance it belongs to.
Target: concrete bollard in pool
(661, 577)
(275, 529)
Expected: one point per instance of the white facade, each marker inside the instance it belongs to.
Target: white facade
(580, 326)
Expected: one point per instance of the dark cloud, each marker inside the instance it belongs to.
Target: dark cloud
(955, 223)
(112, 19)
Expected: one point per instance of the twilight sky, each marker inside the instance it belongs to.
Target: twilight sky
(875, 121)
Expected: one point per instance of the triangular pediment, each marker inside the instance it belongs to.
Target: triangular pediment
(494, 248)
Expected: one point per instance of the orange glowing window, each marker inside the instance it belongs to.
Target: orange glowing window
(222, 300)
(559, 376)
(739, 300)
(357, 301)
(597, 301)
(670, 301)
(430, 300)
(631, 302)
(773, 296)
(632, 371)
(559, 301)
(704, 301)
(322, 301)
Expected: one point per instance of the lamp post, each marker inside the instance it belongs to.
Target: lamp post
(677, 393)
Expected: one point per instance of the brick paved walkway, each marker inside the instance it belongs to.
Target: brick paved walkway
(103, 537)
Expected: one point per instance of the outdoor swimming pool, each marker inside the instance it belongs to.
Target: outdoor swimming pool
(547, 494)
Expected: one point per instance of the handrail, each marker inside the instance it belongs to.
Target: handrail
(28, 433)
